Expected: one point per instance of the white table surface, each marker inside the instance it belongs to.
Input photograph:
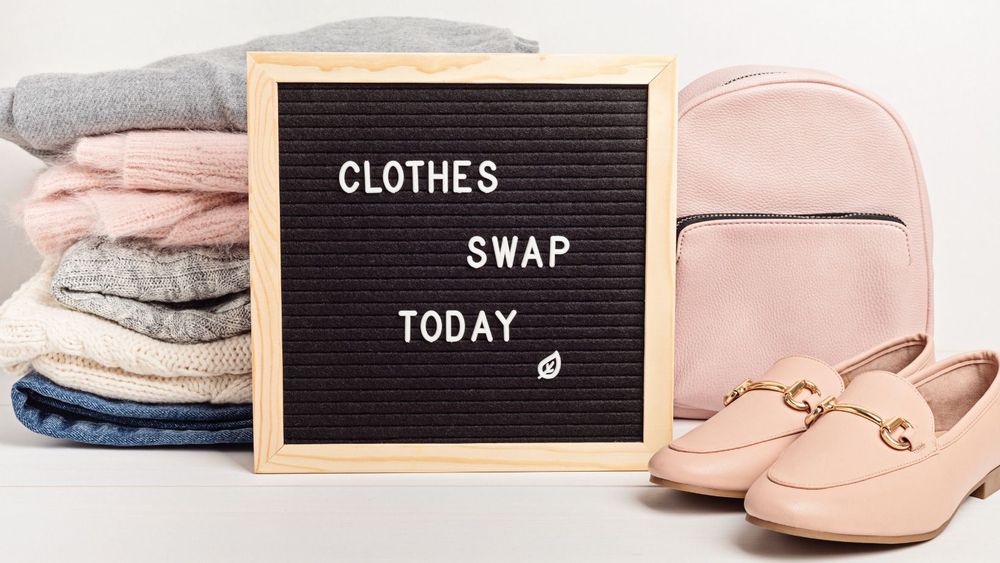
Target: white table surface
(66, 502)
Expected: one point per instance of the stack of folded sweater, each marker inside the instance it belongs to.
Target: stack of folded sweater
(136, 330)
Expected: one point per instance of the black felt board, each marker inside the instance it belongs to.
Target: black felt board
(570, 161)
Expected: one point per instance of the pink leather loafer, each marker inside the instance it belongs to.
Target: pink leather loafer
(725, 454)
(890, 459)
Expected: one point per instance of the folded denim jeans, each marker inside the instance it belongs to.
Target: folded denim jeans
(46, 408)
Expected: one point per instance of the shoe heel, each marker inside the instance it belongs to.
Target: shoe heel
(990, 484)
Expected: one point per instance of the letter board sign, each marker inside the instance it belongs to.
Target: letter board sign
(461, 262)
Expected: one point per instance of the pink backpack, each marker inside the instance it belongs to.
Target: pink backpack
(803, 227)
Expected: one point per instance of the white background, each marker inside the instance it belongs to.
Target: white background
(936, 62)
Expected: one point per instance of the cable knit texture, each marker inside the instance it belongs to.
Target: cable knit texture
(167, 219)
(82, 374)
(32, 324)
(203, 161)
(45, 113)
(194, 294)
(175, 188)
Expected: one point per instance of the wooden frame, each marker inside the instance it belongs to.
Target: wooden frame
(265, 70)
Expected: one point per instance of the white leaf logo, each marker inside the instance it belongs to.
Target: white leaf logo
(549, 367)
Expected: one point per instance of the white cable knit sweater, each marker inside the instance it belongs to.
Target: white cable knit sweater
(84, 375)
(33, 324)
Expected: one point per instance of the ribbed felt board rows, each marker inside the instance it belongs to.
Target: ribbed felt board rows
(399, 326)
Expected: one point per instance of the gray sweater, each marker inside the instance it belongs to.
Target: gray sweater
(181, 295)
(45, 113)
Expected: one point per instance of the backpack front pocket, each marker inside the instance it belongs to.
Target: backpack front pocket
(752, 288)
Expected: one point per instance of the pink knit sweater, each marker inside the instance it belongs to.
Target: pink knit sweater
(177, 188)
(166, 160)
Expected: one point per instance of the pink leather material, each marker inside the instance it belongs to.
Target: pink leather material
(792, 141)
(827, 460)
(731, 449)
(759, 416)
(886, 357)
(744, 280)
(730, 470)
(831, 480)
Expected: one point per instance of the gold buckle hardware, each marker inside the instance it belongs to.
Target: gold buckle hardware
(790, 392)
(794, 391)
(886, 429)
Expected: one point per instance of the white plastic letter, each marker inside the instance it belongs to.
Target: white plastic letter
(407, 316)
(437, 326)
(476, 245)
(442, 175)
(505, 251)
(493, 182)
(482, 327)
(393, 187)
(505, 321)
(369, 188)
(557, 249)
(453, 336)
(414, 166)
(457, 176)
(531, 252)
(348, 188)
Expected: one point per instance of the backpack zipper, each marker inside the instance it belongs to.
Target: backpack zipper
(764, 73)
(687, 221)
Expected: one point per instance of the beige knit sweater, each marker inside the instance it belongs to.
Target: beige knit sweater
(82, 374)
(33, 324)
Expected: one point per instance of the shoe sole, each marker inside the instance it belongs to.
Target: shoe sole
(844, 538)
(986, 487)
(706, 491)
